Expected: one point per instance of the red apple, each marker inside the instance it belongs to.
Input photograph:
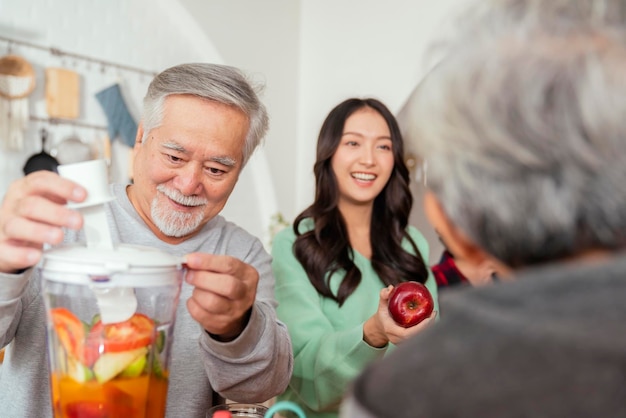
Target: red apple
(410, 303)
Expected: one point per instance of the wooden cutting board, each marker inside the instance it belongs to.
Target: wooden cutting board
(62, 93)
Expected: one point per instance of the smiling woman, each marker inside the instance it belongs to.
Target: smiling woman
(335, 268)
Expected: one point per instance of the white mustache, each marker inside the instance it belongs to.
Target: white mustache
(180, 198)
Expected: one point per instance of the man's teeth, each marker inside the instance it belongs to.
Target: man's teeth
(363, 176)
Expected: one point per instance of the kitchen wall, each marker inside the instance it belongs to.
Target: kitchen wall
(310, 53)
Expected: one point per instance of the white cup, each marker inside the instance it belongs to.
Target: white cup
(92, 175)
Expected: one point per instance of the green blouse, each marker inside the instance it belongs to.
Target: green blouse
(329, 351)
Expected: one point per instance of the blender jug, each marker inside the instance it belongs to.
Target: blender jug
(109, 369)
(111, 311)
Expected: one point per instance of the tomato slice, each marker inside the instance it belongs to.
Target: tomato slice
(70, 331)
(136, 332)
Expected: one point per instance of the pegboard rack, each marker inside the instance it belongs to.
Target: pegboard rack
(58, 121)
(60, 53)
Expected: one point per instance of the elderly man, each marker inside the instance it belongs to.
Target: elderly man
(523, 128)
(200, 124)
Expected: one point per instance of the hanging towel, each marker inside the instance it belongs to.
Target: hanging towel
(120, 122)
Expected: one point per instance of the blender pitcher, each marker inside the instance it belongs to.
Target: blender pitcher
(110, 320)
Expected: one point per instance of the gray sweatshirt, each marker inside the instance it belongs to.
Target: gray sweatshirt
(253, 368)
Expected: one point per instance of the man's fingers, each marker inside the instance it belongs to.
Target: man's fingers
(215, 263)
(51, 186)
(41, 209)
(18, 257)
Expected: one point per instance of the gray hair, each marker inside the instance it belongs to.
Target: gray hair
(523, 126)
(219, 83)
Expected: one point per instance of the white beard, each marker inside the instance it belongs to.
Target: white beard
(173, 223)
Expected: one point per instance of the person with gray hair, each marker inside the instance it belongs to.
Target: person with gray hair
(217, 83)
(200, 125)
(522, 124)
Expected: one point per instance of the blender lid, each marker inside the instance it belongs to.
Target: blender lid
(123, 261)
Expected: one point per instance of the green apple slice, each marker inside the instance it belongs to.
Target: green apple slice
(78, 371)
(110, 365)
(135, 368)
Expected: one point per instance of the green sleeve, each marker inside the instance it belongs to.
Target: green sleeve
(326, 359)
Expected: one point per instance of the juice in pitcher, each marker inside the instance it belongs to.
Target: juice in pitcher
(108, 370)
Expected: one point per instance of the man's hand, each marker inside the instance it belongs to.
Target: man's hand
(33, 213)
(225, 290)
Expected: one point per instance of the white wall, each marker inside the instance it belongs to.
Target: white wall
(263, 38)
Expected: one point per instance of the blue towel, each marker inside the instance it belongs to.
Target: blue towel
(120, 122)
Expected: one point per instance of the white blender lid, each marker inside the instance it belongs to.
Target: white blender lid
(129, 265)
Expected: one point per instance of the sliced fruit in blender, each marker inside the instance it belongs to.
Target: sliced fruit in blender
(135, 368)
(160, 341)
(136, 332)
(87, 409)
(93, 409)
(78, 371)
(70, 331)
(110, 365)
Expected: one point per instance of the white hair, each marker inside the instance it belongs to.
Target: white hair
(523, 125)
(219, 83)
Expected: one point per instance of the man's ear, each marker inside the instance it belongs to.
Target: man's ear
(139, 136)
(455, 240)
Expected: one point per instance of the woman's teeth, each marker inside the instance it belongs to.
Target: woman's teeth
(363, 176)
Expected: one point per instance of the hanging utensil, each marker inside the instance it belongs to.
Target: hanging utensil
(62, 93)
(72, 150)
(42, 160)
(17, 82)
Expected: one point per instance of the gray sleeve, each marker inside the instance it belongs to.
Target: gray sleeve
(14, 295)
(258, 364)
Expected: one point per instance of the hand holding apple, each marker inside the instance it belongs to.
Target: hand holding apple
(381, 329)
(410, 303)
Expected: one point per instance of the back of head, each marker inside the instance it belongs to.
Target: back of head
(219, 83)
(523, 128)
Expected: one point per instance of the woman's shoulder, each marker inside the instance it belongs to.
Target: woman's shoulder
(418, 238)
(305, 225)
(287, 235)
(415, 233)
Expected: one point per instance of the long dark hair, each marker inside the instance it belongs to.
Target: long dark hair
(325, 249)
